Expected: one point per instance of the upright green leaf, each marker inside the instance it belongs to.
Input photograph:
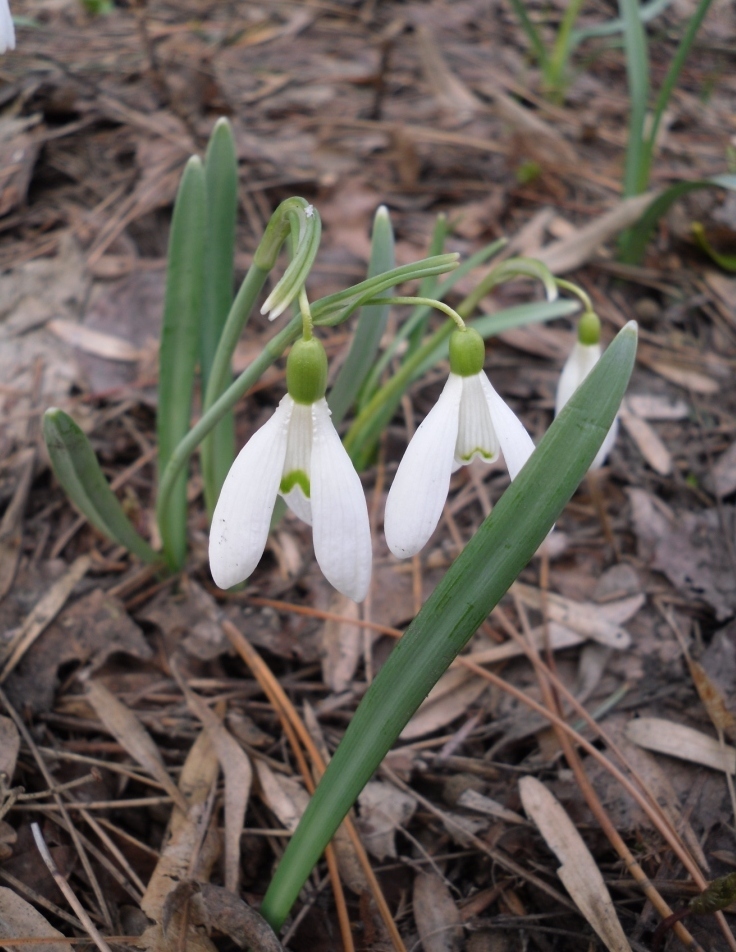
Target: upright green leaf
(75, 466)
(180, 346)
(637, 69)
(371, 324)
(474, 584)
(221, 175)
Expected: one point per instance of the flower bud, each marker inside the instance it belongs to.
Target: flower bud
(589, 329)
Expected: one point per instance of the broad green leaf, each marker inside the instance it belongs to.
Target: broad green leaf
(180, 346)
(75, 466)
(473, 585)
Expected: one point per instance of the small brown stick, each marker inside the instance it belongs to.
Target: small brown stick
(287, 714)
(67, 890)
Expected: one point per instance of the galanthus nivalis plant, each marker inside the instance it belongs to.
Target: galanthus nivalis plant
(298, 455)
(469, 420)
(584, 356)
(7, 29)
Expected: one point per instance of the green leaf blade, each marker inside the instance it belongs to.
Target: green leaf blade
(221, 176)
(180, 344)
(78, 472)
(474, 584)
(371, 324)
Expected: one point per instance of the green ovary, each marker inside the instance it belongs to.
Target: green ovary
(297, 477)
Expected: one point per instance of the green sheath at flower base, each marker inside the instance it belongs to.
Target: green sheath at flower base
(589, 329)
(306, 371)
(467, 352)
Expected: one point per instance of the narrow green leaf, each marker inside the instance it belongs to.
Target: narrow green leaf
(370, 327)
(180, 345)
(668, 86)
(723, 260)
(647, 12)
(532, 33)
(473, 585)
(637, 237)
(221, 176)
(637, 69)
(75, 466)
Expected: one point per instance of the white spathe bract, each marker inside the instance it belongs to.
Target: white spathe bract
(7, 29)
(298, 439)
(577, 367)
(469, 420)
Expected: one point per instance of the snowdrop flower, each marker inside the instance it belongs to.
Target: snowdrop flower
(298, 455)
(469, 420)
(585, 355)
(7, 30)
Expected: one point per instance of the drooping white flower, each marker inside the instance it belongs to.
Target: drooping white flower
(469, 420)
(584, 356)
(7, 29)
(297, 454)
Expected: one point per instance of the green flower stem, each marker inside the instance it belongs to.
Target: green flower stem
(473, 585)
(426, 302)
(414, 327)
(575, 289)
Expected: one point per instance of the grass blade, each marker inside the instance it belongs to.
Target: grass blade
(474, 584)
(180, 346)
(371, 323)
(75, 466)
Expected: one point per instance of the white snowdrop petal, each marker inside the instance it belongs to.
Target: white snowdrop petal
(578, 365)
(341, 531)
(420, 486)
(243, 512)
(7, 29)
(516, 444)
(475, 435)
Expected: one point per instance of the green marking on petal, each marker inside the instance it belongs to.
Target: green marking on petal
(297, 477)
(478, 451)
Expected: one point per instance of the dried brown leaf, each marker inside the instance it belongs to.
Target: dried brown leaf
(20, 918)
(125, 727)
(438, 919)
(578, 872)
(677, 740)
(238, 779)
